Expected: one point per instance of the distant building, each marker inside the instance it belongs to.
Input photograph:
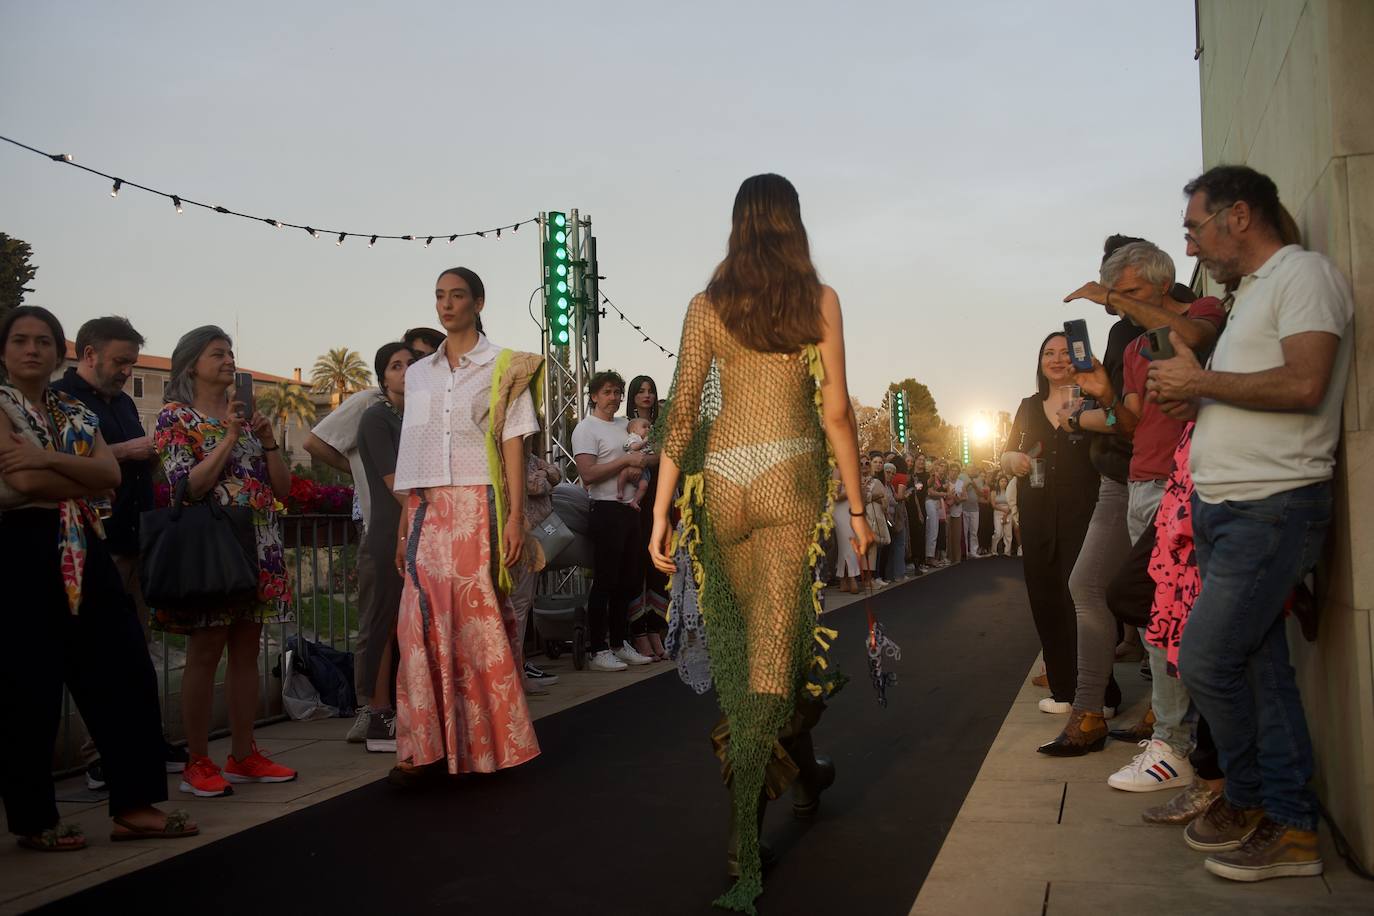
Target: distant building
(152, 373)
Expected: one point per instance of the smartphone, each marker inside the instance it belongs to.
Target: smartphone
(1157, 344)
(243, 393)
(1080, 352)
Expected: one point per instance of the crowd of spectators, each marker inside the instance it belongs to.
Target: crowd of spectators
(1182, 484)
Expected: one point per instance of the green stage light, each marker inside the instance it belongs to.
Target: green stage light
(557, 294)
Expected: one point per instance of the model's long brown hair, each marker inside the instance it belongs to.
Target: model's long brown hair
(766, 291)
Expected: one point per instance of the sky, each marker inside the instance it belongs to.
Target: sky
(959, 164)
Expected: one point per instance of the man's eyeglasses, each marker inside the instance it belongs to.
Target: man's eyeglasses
(1190, 233)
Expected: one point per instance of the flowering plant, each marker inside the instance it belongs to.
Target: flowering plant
(306, 497)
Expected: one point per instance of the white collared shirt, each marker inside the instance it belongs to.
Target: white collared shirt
(1240, 453)
(443, 436)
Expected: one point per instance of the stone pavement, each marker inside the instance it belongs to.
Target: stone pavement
(1045, 835)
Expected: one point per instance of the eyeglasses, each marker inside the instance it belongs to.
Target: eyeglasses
(1190, 235)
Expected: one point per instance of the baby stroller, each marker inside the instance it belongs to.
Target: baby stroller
(560, 608)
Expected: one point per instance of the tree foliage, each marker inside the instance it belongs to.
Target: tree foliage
(16, 273)
(283, 402)
(339, 373)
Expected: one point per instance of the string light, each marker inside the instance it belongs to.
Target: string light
(647, 339)
(180, 202)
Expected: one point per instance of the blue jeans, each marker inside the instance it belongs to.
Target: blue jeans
(1234, 654)
(896, 554)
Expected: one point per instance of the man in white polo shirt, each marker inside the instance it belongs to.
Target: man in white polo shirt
(1268, 411)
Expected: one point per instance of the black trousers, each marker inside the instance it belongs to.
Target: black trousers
(619, 572)
(1056, 620)
(98, 653)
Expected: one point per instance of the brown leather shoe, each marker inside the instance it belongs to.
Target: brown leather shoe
(1084, 733)
(1141, 731)
(1273, 850)
(1184, 807)
(1222, 826)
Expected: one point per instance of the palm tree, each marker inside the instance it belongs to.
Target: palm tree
(282, 402)
(339, 373)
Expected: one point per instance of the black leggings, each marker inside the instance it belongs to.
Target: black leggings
(618, 574)
(100, 655)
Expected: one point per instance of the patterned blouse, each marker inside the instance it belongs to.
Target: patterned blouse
(184, 438)
(61, 424)
(1173, 564)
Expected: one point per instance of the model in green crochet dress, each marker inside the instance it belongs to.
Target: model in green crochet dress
(758, 415)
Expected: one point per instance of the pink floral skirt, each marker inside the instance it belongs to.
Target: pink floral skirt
(460, 696)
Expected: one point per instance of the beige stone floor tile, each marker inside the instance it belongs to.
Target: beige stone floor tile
(1008, 801)
(993, 896)
(1212, 896)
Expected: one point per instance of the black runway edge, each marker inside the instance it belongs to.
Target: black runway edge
(624, 812)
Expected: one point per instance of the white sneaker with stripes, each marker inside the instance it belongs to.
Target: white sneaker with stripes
(1154, 768)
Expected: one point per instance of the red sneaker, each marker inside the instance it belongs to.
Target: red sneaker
(256, 768)
(202, 778)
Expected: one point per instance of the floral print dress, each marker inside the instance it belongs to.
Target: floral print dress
(184, 438)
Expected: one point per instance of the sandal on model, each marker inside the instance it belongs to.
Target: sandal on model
(62, 838)
(176, 826)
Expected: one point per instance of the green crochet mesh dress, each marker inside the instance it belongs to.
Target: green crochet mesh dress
(744, 428)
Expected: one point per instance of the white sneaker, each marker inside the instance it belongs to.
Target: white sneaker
(879, 583)
(605, 660)
(1049, 705)
(1156, 767)
(627, 654)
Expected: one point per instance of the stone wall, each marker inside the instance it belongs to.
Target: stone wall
(1286, 89)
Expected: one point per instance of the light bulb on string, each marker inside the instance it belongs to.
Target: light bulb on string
(313, 233)
(429, 241)
(119, 183)
(451, 238)
(341, 238)
(373, 242)
(176, 202)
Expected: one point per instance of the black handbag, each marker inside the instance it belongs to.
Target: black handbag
(197, 555)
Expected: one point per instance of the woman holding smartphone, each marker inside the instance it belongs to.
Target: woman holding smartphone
(1056, 494)
(207, 443)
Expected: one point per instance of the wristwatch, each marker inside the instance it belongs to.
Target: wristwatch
(1072, 421)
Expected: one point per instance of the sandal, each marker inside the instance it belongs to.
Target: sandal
(656, 643)
(173, 828)
(50, 840)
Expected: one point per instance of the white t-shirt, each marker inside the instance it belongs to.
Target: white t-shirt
(339, 431)
(1244, 454)
(606, 440)
(956, 508)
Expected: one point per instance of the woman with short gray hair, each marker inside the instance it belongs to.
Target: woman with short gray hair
(209, 446)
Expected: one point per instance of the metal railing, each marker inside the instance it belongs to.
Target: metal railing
(321, 555)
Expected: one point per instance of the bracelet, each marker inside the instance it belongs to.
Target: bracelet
(274, 448)
(853, 514)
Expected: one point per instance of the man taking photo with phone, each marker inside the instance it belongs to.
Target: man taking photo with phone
(1268, 411)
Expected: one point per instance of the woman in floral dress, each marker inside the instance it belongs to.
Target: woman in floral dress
(460, 695)
(206, 443)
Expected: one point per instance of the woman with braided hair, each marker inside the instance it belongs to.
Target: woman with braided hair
(759, 392)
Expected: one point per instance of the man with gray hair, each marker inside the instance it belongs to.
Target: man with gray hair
(1268, 409)
(1136, 282)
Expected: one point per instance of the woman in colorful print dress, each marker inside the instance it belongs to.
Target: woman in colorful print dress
(460, 695)
(206, 444)
(69, 619)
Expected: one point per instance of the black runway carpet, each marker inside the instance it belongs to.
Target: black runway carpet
(624, 811)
